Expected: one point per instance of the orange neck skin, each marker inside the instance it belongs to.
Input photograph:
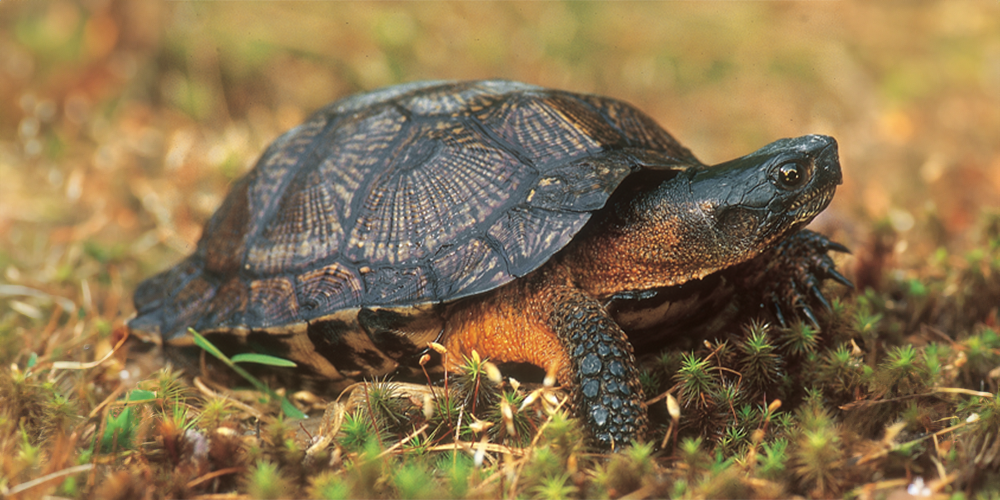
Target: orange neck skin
(677, 244)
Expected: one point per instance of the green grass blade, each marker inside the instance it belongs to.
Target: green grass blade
(262, 359)
(286, 406)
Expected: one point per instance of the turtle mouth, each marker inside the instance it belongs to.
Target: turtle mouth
(807, 207)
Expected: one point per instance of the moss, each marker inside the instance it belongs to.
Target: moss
(265, 481)
(767, 412)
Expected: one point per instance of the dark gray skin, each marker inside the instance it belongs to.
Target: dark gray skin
(701, 220)
(785, 277)
(660, 233)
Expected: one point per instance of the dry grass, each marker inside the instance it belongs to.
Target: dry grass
(122, 123)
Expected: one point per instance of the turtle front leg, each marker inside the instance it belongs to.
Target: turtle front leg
(788, 278)
(546, 321)
(604, 382)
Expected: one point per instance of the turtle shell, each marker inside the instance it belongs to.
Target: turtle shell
(414, 194)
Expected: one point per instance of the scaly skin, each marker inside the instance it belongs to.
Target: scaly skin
(548, 320)
(545, 320)
(659, 230)
(605, 381)
(787, 279)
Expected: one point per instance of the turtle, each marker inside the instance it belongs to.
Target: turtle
(528, 225)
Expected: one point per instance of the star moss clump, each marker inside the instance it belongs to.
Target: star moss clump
(896, 389)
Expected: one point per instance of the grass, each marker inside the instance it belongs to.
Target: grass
(877, 404)
(117, 144)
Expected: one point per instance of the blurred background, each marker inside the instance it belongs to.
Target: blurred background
(122, 123)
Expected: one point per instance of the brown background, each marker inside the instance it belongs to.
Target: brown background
(121, 123)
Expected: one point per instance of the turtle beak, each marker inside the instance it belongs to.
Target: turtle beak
(827, 160)
(827, 176)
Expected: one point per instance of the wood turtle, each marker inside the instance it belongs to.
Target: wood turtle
(531, 225)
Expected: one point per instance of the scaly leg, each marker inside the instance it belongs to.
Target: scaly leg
(605, 381)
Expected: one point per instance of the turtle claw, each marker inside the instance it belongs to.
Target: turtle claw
(777, 311)
(837, 247)
(795, 271)
(818, 295)
(808, 313)
(839, 278)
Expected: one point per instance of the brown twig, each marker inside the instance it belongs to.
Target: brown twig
(212, 475)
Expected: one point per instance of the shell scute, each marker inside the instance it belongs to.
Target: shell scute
(354, 150)
(524, 233)
(467, 268)
(272, 302)
(191, 298)
(394, 285)
(328, 288)
(365, 101)
(173, 299)
(583, 185)
(228, 304)
(453, 99)
(227, 231)
(305, 229)
(443, 184)
(585, 119)
(639, 129)
(539, 129)
(280, 164)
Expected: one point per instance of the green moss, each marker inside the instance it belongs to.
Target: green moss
(840, 371)
(383, 404)
(329, 486)
(367, 474)
(38, 408)
(555, 487)
(545, 463)
(817, 454)
(695, 378)
(265, 481)
(411, 481)
(119, 430)
(356, 431)
(772, 462)
(650, 381)
(517, 427)
(759, 362)
(800, 339)
(474, 386)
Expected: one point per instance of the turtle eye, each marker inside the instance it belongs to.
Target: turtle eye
(792, 175)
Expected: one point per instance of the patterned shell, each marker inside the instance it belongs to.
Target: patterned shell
(413, 194)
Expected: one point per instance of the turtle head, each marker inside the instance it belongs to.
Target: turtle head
(777, 189)
(714, 217)
(666, 227)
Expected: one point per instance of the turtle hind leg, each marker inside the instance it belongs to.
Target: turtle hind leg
(605, 381)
